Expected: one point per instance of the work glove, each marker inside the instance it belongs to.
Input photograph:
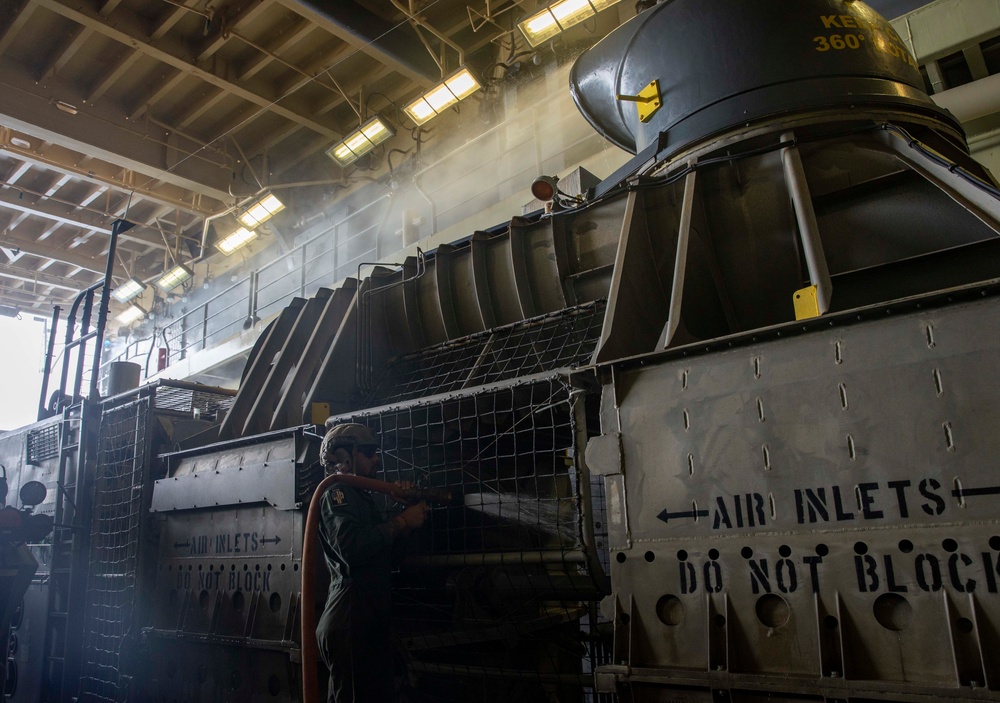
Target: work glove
(413, 517)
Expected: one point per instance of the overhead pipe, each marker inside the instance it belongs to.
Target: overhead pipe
(401, 47)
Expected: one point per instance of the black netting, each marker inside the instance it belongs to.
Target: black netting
(498, 597)
(563, 339)
(121, 552)
(122, 471)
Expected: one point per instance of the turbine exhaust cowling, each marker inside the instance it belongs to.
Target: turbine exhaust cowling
(731, 63)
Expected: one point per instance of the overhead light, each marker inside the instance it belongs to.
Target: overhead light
(131, 314)
(66, 107)
(457, 87)
(360, 141)
(261, 211)
(132, 288)
(558, 16)
(174, 277)
(236, 240)
(20, 142)
(9, 311)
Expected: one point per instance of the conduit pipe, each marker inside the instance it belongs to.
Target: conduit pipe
(398, 47)
(972, 100)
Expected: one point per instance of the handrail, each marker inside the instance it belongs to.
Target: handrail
(267, 295)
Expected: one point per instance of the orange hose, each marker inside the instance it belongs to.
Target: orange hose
(307, 598)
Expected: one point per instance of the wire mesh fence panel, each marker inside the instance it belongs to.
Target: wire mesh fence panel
(122, 468)
(119, 584)
(497, 598)
(563, 339)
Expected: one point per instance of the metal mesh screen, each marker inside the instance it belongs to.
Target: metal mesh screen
(208, 403)
(111, 587)
(557, 340)
(43, 444)
(497, 599)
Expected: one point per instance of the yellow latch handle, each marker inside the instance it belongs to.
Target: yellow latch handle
(648, 99)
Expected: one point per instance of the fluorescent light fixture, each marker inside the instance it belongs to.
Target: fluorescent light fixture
(236, 240)
(558, 16)
(458, 86)
(132, 288)
(360, 141)
(261, 211)
(131, 314)
(174, 277)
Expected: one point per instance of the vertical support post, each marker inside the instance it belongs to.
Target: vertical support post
(680, 261)
(251, 292)
(47, 371)
(204, 327)
(302, 278)
(117, 228)
(81, 352)
(805, 215)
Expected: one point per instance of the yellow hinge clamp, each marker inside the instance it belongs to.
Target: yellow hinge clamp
(806, 303)
(648, 101)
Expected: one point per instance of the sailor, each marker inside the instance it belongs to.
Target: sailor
(353, 632)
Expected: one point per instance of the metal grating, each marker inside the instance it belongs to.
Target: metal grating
(498, 597)
(43, 444)
(559, 340)
(207, 403)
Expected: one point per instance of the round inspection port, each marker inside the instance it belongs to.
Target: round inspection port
(892, 611)
(670, 610)
(772, 610)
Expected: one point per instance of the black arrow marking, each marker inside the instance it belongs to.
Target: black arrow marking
(178, 545)
(985, 491)
(695, 514)
(276, 540)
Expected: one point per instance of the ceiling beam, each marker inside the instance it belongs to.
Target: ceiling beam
(52, 250)
(248, 12)
(102, 174)
(103, 133)
(16, 273)
(30, 303)
(127, 29)
(161, 90)
(21, 15)
(167, 20)
(335, 100)
(198, 108)
(125, 64)
(281, 43)
(11, 199)
(70, 49)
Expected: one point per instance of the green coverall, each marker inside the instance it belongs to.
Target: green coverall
(353, 632)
